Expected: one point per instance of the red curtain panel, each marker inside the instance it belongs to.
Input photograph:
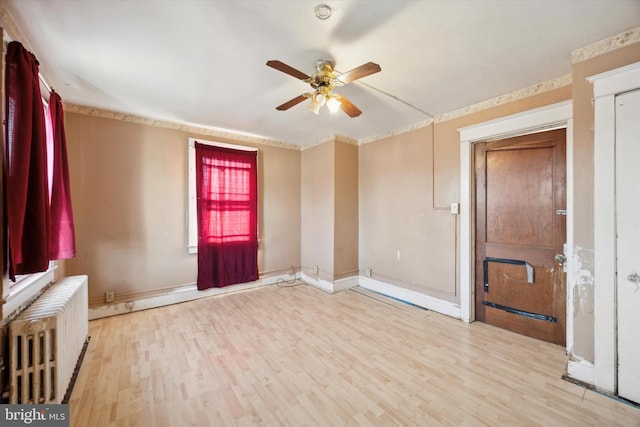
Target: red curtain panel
(62, 240)
(227, 205)
(25, 166)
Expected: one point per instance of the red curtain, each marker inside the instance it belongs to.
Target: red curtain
(26, 196)
(227, 204)
(62, 240)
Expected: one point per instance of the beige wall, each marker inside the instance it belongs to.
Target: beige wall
(330, 210)
(402, 238)
(407, 184)
(345, 263)
(129, 188)
(318, 194)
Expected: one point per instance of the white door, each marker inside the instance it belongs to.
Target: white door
(628, 243)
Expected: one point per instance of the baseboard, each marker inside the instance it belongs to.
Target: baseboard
(445, 307)
(346, 283)
(190, 292)
(580, 370)
(178, 295)
(316, 282)
(328, 286)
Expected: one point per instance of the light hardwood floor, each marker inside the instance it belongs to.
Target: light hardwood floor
(300, 357)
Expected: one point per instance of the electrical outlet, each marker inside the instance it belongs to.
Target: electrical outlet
(368, 272)
(109, 296)
(316, 269)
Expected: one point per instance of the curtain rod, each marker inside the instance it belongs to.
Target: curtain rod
(44, 82)
(7, 39)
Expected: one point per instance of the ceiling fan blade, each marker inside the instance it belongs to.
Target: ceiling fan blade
(281, 66)
(359, 72)
(348, 107)
(295, 101)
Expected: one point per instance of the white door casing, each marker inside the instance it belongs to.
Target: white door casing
(627, 157)
(554, 116)
(605, 87)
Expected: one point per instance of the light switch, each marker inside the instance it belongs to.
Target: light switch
(455, 208)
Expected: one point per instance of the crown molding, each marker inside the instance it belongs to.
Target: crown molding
(330, 138)
(12, 29)
(13, 32)
(221, 133)
(607, 45)
(398, 131)
(610, 44)
(345, 139)
(517, 95)
(184, 127)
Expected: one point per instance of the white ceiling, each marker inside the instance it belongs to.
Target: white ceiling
(203, 62)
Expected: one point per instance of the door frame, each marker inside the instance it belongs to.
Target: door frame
(555, 116)
(550, 145)
(605, 88)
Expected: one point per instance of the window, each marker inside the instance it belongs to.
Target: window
(239, 200)
(38, 218)
(227, 196)
(226, 202)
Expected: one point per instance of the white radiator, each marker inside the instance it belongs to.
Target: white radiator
(46, 341)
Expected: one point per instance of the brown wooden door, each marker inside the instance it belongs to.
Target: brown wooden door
(519, 200)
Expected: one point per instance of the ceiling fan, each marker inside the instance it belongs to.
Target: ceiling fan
(323, 81)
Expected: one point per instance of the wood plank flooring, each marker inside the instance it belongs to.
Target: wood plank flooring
(300, 357)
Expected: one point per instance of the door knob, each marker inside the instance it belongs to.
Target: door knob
(633, 277)
(560, 259)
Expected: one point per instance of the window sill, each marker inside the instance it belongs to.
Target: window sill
(25, 290)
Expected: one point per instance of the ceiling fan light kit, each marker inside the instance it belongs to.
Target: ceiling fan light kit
(320, 99)
(323, 81)
(333, 104)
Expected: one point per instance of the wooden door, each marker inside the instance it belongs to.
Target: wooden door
(628, 238)
(520, 228)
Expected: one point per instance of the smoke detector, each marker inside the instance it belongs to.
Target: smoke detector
(323, 11)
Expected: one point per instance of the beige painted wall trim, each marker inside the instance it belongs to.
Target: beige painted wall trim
(607, 45)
